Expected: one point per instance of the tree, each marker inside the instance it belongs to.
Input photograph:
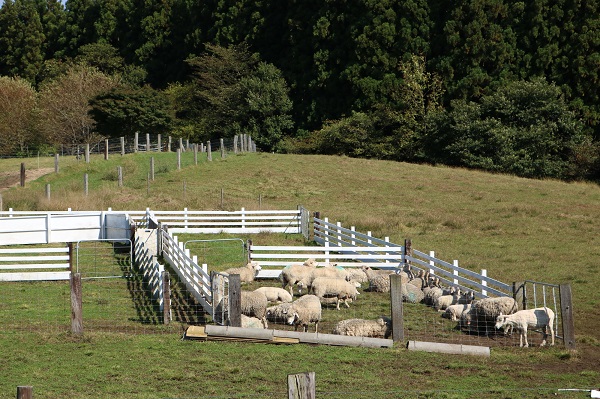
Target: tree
(64, 105)
(17, 112)
(525, 128)
(123, 111)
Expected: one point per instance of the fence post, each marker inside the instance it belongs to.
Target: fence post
(518, 291)
(159, 143)
(301, 386)
(195, 154)
(483, 282)
(55, 163)
(169, 145)
(566, 310)
(181, 144)
(222, 148)
(235, 144)
(47, 192)
(147, 142)
(235, 301)
(120, 176)
(397, 308)
(208, 151)
(25, 392)
(22, 174)
(135, 141)
(87, 153)
(152, 168)
(179, 158)
(106, 149)
(166, 297)
(122, 139)
(76, 302)
(249, 252)
(85, 184)
(455, 271)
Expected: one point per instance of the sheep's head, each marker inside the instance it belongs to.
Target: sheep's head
(500, 321)
(255, 266)
(310, 263)
(292, 318)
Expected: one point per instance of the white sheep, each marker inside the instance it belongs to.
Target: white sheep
(356, 274)
(531, 318)
(254, 304)
(304, 311)
(421, 280)
(377, 282)
(454, 312)
(247, 273)
(332, 287)
(442, 302)
(484, 312)
(380, 328)
(275, 294)
(411, 293)
(251, 322)
(292, 274)
(278, 313)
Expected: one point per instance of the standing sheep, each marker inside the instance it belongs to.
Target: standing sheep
(275, 294)
(531, 318)
(454, 312)
(247, 273)
(254, 304)
(331, 287)
(442, 302)
(292, 274)
(278, 313)
(484, 312)
(380, 328)
(304, 311)
(377, 282)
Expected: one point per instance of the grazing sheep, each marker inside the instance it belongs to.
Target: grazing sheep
(454, 312)
(380, 328)
(275, 294)
(304, 311)
(292, 274)
(531, 318)
(377, 282)
(484, 312)
(278, 313)
(247, 273)
(251, 322)
(332, 287)
(411, 293)
(254, 304)
(442, 302)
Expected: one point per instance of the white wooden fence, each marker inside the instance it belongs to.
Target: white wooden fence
(152, 271)
(34, 264)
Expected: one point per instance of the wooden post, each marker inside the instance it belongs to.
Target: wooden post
(566, 310)
(187, 145)
(120, 175)
(87, 153)
(249, 251)
(518, 291)
(148, 185)
(48, 191)
(235, 144)
(208, 151)
(147, 142)
(106, 149)
(152, 168)
(135, 141)
(178, 158)
(301, 386)
(249, 145)
(397, 308)
(180, 144)
(159, 143)
(407, 250)
(85, 184)
(235, 301)
(195, 154)
(222, 148)
(166, 295)
(55, 163)
(25, 392)
(169, 144)
(76, 303)
(22, 174)
(122, 146)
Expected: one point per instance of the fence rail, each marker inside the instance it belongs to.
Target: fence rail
(34, 264)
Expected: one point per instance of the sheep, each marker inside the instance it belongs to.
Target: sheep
(247, 273)
(454, 312)
(251, 322)
(377, 282)
(278, 313)
(331, 287)
(357, 275)
(432, 292)
(292, 274)
(304, 311)
(254, 304)
(421, 280)
(327, 271)
(531, 318)
(275, 294)
(380, 328)
(411, 293)
(483, 312)
(442, 302)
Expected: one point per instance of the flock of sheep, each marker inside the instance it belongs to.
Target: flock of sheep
(331, 284)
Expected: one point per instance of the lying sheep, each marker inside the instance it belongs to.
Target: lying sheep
(247, 273)
(357, 275)
(251, 322)
(304, 311)
(292, 274)
(531, 318)
(275, 294)
(484, 312)
(377, 282)
(278, 313)
(380, 328)
(331, 287)
(411, 293)
(421, 280)
(454, 312)
(442, 302)
(254, 304)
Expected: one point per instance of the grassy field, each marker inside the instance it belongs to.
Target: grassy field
(517, 229)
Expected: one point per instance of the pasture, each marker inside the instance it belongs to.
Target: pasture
(515, 228)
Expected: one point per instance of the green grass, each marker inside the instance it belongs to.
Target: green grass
(517, 229)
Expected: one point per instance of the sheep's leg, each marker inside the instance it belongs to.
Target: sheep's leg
(524, 334)
(551, 333)
(346, 303)
(337, 303)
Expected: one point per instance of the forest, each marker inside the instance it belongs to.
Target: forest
(498, 85)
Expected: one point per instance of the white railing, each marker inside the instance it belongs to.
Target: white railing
(195, 277)
(34, 264)
(152, 271)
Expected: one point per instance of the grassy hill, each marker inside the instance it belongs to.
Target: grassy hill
(517, 229)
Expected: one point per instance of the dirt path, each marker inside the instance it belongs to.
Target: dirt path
(12, 179)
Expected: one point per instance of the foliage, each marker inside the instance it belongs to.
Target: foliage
(17, 115)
